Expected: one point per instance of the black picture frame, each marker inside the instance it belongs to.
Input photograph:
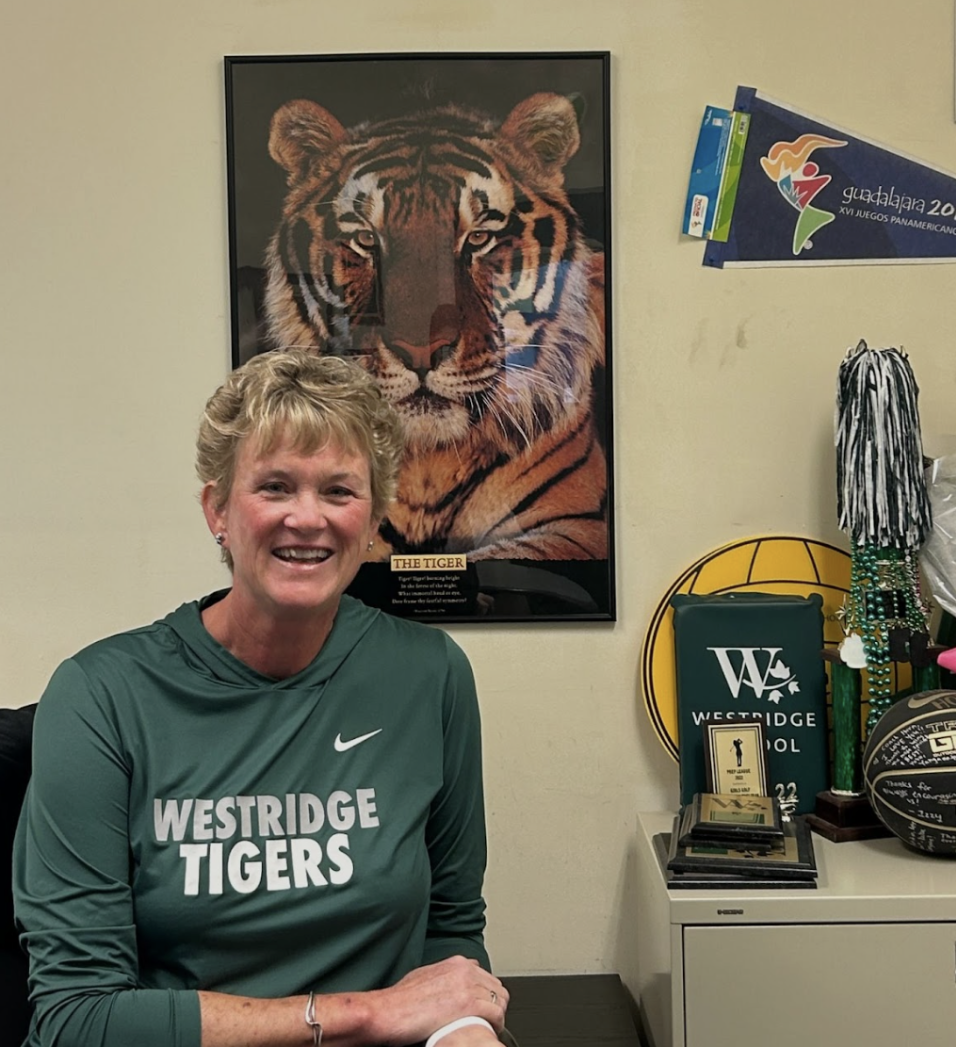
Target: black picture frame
(505, 507)
(752, 821)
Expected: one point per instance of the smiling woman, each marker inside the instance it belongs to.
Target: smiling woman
(275, 765)
(298, 458)
(297, 526)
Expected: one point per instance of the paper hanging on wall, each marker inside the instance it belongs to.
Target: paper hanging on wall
(715, 175)
(810, 193)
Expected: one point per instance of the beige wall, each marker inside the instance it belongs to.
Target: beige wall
(115, 329)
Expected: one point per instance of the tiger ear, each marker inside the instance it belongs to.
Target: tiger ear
(544, 130)
(299, 132)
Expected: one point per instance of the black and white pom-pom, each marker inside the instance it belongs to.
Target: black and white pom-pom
(881, 492)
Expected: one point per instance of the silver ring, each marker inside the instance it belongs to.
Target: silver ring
(494, 996)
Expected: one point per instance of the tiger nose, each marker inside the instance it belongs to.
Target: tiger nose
(423, 341)
(422, 358)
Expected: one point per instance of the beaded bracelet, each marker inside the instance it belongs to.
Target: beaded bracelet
(310, 1020)
(460, 1023)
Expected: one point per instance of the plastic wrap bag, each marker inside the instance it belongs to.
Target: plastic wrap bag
(938, 554)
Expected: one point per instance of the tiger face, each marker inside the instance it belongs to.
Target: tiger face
(441, 251)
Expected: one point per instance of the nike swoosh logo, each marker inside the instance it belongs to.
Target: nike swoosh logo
(918, 701)
(343, 747)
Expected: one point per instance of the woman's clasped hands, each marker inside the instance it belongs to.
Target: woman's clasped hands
(433, 996)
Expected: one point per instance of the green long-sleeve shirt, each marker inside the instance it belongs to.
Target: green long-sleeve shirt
(192, 824)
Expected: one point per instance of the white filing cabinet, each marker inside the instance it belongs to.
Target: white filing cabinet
(868, 958)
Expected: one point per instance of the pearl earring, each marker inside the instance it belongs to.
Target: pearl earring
(220, 538)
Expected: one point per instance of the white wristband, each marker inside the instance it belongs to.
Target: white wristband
(460, 1023)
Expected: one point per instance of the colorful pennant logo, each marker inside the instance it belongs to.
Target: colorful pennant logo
(799, 180)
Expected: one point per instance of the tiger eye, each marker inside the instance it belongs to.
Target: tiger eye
(365, 238)
(479, 238)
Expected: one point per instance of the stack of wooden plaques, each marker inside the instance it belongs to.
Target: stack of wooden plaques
(737, 841)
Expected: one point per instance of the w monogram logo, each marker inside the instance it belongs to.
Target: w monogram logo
(759, 668)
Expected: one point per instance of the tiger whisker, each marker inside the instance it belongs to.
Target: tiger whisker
(504, 411)
(524, 369)
(457, 447)
(323, 203)
(495, 413)
(543, 382)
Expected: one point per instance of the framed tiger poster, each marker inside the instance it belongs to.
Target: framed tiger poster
(444, 222)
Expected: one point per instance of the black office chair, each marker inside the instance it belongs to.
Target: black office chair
(16, 734)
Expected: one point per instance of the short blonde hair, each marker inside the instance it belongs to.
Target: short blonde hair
(310, 399)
